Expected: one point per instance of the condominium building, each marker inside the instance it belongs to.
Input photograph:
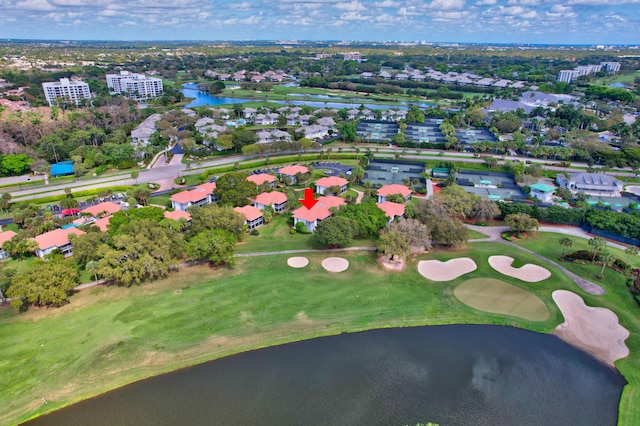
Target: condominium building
(567, 76)
(135, 86)
(66, 90)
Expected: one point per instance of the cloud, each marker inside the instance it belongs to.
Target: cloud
(446, 4)
(523, 2)
(352, 6)
(245, 5)
(486, 2)
(354, 16)
(387, 3)
(558, 11)
(602, 2)
(35, 5)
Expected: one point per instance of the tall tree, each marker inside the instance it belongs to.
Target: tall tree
(631, 251)
(336, 231)
(216, 245)
(46, 283)
(216, 217)
(521, 222)
(233, 189)
(393, 243)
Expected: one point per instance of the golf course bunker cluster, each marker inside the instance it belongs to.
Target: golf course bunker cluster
(529, 272)
(436, 270)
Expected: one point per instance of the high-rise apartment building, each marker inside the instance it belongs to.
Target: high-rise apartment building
(135, 86)
(66, 90)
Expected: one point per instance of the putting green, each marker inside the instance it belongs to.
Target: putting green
(498, 297)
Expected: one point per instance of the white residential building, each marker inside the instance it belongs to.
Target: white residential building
(135, 86)
(71, 90)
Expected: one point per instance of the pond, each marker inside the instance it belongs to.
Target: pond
(451, 375)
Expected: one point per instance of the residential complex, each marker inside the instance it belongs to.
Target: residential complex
(567, 76)
(66, 90)
(135, 86)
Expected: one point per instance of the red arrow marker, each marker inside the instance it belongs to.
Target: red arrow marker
(308, 200)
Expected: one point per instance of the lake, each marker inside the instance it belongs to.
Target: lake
(190, 90)
(451, 375)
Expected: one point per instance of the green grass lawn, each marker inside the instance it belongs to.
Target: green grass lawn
(160, 200)
(109, 336)
(475, 235)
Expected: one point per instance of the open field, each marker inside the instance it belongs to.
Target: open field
(109, 336)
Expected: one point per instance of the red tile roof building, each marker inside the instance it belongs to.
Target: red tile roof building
(291, 171)
(392, 210)
(274, 199)
(319, 212)
(261, 178)
(4, 237)
(394, 188)
(108, 207)
(252, 215)
(199, 196)
(323, 184)
(56, 239)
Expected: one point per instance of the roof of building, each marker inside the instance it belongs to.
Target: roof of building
(207, 187)
(62, 168)
(543, 187)
(249, 212)
(6, 236)
(107, 206)
(391, 209)
(56, 238)
(331, 181)
(594, 179)
(261, 178)
(320, 210)
(292, 170)
(177, 214)
(269, 198)
(192, 196)
(102, 223)
(394, 188)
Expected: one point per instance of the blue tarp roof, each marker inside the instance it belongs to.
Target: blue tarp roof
(62, 168)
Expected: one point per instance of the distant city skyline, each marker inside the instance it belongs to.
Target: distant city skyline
(464, 21)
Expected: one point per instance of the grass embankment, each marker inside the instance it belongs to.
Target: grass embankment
(617, 298)
(109, 336)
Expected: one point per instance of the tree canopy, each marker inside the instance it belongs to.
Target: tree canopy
(233, 189)
(336, 231)
(46, 283)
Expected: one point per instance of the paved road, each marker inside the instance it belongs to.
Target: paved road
(495, 235)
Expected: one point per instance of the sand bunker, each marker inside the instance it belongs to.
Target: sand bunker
(529, 273)
(436, 270)
(297, 262)
(498, 297)
(595, 330)
(335, 264)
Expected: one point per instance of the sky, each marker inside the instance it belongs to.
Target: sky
(467, 21)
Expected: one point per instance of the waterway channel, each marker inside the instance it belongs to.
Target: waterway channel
(450, 375)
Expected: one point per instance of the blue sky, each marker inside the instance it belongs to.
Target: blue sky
(494, 21)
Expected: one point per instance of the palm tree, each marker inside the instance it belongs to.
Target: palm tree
(565, 243)
(597, 244)
(607, 259)
(92, 266)
(631, 251)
